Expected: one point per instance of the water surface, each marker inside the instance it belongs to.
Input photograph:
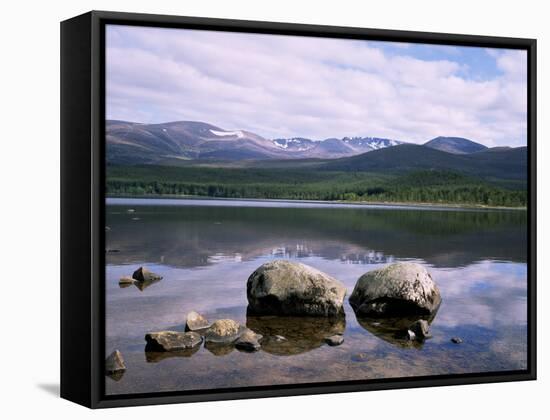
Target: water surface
(206, 249)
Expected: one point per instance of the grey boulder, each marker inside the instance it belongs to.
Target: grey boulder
(172, 341)
(402, 288)
(283, 287)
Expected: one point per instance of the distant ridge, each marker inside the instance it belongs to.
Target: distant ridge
(456, 145)
(508, 163)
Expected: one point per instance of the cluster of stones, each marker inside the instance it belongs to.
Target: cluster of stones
(291, 289)
(221, 333)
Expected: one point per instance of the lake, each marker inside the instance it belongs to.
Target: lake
(206, 249)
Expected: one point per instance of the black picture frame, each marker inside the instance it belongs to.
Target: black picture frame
(83, 205)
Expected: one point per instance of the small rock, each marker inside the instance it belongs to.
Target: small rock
(223, 331)
(410, 335)
(114, 363)
(126, 280)
(143, 274)
(248, 341)
(279, 338)
(456, 340)
(195, 322)
(421, 328)
(359, 357)
(172, 340)
(334, 340)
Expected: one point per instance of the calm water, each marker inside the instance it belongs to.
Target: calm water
(206, 249)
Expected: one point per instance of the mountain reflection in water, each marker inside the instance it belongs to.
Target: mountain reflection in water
(192, 236)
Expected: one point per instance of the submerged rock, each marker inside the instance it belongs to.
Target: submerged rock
(421, 328)
(114, 363)
(196, 322)
(399, 289)
(248, 341)
(283, 287)
(223, 331)
(334, 340)
(143, 274)
(172, 341)
(359, 357)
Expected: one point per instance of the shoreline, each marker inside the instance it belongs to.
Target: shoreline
(380, 204)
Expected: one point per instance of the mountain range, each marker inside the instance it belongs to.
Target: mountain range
(130, 143)
(136, 143)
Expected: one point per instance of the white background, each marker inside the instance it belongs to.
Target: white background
(30, 207)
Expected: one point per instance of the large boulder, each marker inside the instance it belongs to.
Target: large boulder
(402, 288)
(283, 287)
(172, 341)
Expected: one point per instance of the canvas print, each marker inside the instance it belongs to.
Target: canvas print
(286, 210)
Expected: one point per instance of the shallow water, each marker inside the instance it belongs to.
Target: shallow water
(206, 249)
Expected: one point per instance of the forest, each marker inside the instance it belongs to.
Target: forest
(420, 186)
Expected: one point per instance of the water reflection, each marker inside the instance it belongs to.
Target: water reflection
(141, 285)
(191, 236)
(285, 336)
(158, 356)
(393, 330)
(206, 254)
(115, 376)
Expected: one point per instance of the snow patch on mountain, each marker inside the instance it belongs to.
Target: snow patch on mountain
(238, 134)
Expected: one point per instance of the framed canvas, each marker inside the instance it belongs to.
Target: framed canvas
(254, 209)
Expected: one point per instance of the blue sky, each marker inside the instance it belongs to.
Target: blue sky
(286, 86)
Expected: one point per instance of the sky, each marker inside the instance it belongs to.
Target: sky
(288, 86)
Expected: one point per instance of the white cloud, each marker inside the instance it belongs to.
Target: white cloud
(313, 87)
